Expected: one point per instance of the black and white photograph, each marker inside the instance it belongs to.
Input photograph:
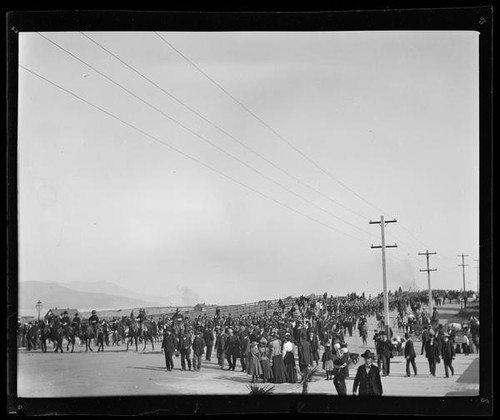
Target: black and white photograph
(250, 212)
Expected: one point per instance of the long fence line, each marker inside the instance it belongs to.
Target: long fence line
(235, 310)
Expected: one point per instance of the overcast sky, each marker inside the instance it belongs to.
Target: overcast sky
(260, 187)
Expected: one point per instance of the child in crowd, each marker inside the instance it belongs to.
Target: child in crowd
(327, 360)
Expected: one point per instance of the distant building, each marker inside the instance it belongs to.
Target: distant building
(26, 319)
(57, 311)
(200, 307)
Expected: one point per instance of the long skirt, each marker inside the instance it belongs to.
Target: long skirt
(290, 369)
(267, 371)
(278, 370)
(254, 367)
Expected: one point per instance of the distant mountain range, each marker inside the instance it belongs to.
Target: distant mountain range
(82, 295)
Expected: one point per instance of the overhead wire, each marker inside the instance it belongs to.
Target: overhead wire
(221, 173)
(268, 126)
(274, 131)
(203, 138)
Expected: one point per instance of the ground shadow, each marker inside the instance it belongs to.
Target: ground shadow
(156, 368)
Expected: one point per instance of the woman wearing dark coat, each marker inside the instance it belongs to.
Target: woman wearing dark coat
(278, 366)
(368, 377)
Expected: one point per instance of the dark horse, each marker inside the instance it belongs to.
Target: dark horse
(132, 332)
(86, 334)
(57, 333)
(45, 334)
(148, 333)
(70, 333)
(136, 333)
(101, 335)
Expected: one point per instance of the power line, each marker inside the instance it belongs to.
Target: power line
(249, 111)
(185, 154)
(202, 137)
(310, 160)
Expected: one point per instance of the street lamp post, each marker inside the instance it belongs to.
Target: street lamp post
(39, 308)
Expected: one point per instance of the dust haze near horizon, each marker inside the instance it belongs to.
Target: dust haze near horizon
(393, 117)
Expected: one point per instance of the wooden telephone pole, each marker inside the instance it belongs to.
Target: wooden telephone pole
(427, 253)
(382, 223)
(463, 268)
(477, 268)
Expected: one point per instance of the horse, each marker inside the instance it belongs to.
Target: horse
(69, 334)
(86, 334)
(132, 332)
(57, 333)
(147, 333)
(101, 332)
(45, 334)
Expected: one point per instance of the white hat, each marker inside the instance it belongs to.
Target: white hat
(336, 346)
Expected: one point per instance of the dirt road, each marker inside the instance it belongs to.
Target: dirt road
(116, 372)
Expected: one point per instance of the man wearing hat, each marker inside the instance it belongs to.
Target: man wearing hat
(306, 356)
(233, 347)
(198, 350)
(220, 345)
(93, 323)
(169, 344)
(368, 377)
(379, 348)
(244, 350)
(208, 336)
(410, 355)
(432, 352)
(75, 323)
(65, 322)
(340, 362)
(184, 348)
(425, 338)
(448, 353)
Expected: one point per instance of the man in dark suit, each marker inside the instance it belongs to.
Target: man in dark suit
(169, 345)
(368, 377)
(448, 353)
(305, 355)
(410, 355)
(184, 348)
(432, 352)
(220, 345)
(198, 349)
(233, 347)
(384, 353)
(208, 336)
(244, 350)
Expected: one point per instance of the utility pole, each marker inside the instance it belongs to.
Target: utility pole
(477, 267)
(427, 253)
(463, 268)
(382, 223)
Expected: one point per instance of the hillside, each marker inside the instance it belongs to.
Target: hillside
(111, 288)
(54, 295)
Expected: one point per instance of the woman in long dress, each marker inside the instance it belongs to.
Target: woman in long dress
(278, 366)
(254, 368)
(289, 360)
(265, 362)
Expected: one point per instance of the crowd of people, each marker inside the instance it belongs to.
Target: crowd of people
(283, 344)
